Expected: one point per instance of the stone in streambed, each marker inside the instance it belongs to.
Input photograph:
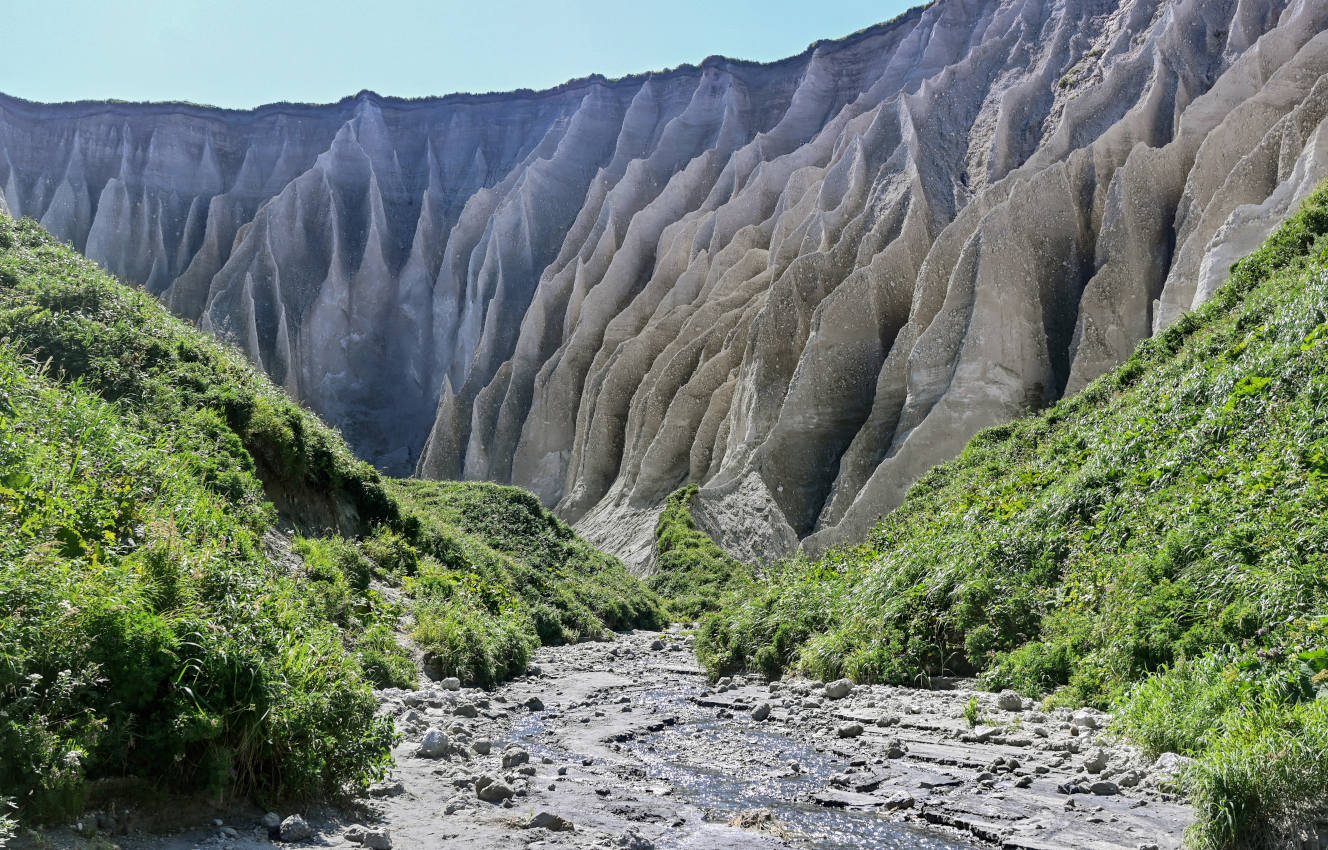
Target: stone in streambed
(849, 730)
(491, 789)
(549, 821)
(838, 689)
(433, 745)
(761, 712)
(295, 828)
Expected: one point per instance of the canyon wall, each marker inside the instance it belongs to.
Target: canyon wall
(798, 284)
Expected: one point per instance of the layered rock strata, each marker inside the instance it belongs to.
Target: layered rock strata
(799, 284)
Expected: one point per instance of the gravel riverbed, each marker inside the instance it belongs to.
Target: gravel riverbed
(624, 744)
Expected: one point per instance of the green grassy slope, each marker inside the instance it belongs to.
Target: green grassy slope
(149, 624)
(693, 573)
(1175, 509)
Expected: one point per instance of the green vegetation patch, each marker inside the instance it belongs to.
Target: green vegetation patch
(1170, 521)
(494, 575)
(693, 574)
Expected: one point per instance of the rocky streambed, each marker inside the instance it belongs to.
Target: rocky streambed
(623, 744)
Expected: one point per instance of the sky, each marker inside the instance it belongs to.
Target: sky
(242, 53)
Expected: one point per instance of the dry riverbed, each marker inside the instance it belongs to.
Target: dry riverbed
(625, 745)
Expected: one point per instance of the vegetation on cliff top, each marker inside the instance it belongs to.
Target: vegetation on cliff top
(1158, 542)
(152, 625)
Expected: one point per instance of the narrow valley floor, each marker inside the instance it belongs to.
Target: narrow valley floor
(624, 745)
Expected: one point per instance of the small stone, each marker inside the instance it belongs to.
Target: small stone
(271, 820)
(433, 745)
(887, 720)
(514, 756)
(838, 689)
(1148, 845)
(1085, 719)
(295, 828)
(228, 832)
(849, 730)
(761, 712)
(494, 790)
(482, 746)
(466, 710)
(378, 839)
(354, 834)
(549, 821)
(451, 683)
(1008, 700)
(656, 645)
(1104, 789)
(634, 840)
(534, 704)
(1023, 782)
(1096, 762)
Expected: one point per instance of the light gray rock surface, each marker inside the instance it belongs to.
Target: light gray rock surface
(799, 284)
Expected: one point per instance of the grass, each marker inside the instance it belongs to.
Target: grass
(693, 573)
(151, 625)
(1166, 526)
(494, 575)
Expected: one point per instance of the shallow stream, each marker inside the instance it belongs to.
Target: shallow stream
(735, 765)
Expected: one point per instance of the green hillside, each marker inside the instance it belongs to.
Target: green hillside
(153, 626)
(1168, 525)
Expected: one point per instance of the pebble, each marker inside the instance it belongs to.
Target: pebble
(451, 683)
(761, 712)
(849, 730)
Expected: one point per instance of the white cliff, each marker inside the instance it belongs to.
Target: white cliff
(798, 284)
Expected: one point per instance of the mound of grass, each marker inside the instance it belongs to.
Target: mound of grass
(151, 624)
(495, 575)
(693, 573)
(1175, 509)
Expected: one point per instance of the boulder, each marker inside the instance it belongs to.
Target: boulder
(295, 828)
(433, 745)
(549, 821)
(838, 689)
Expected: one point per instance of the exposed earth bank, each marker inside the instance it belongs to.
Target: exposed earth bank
(623, 744)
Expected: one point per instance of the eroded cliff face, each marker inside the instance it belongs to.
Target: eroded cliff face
(799, 284)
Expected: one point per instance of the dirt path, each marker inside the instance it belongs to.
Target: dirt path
(623, 745)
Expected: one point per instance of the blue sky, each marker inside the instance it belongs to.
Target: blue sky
(248, 52)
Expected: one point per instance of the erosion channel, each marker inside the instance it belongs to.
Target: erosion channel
(623, 744)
